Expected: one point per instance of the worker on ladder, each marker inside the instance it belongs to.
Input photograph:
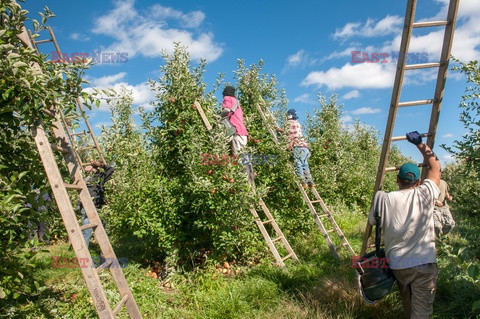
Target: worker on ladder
(95, 181)
(301, 152)
(233, 111)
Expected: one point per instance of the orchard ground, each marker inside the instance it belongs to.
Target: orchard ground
(318, 286)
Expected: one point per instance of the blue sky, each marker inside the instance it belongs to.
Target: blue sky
(307, 44)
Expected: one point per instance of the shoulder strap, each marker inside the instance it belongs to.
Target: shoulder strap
(235, 107)
(378, 229)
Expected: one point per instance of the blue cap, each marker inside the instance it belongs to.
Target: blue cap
(409, 171)
(292, 113)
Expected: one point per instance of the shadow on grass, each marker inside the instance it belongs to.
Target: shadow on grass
(326, 287)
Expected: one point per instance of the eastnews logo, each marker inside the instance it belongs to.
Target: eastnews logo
(96, 56)
(382, 57)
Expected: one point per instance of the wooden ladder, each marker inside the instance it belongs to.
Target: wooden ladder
(279, 238)
(78, 114)
(74, 230)
(395, 103)
(270, 220)
(327, 215)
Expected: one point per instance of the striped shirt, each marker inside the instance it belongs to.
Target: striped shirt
(295, 135)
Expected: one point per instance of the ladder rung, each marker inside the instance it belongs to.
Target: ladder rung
(267, 221)
(59, 149)
(91, 225)
(106, 264)
(330, 230)
(120, 305)
(429, 24)
(73, 186)
(43, 41)
(413, 103)
(83, 149)
(277, 239)
(78, 133)
(403, 137)
(341, 245)
(315, 201)
(422, 65)
(286, 257)
(324, 215)
(396, 168)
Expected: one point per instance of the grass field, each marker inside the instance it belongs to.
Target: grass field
(319, 286)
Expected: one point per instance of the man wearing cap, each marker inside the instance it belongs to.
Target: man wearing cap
(408, 227)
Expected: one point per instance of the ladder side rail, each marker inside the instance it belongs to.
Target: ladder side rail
(277, 229)
(442, 74)
(396, 92)
(337, 228)
(79, 105)
(71, 138)
(89, 127)
(98, 231)
(73, 229)
(267, 238)
(264, 118)
(200, 111)
(319, 223)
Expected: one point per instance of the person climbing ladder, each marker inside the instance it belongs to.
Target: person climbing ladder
(301, 153)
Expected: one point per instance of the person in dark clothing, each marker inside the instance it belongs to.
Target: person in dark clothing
(95, 181)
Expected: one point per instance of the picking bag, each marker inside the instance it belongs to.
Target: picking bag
(375, 278)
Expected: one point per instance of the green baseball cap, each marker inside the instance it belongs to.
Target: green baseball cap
(409, 171)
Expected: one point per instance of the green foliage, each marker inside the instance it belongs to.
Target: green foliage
(29, 85)
(464, 175)
(344, 158)
(467, 150)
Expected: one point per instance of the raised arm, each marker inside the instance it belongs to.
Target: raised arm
(429, 157)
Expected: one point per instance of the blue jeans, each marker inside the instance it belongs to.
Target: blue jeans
(86, 232)
(300, 156)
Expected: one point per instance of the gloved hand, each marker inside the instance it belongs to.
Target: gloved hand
(414, 137)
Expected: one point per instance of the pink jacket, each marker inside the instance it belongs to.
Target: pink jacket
(237, 118)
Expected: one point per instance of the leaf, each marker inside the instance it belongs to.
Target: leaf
(2, 293)
(20, 64)
(476, 305)
(13, 55)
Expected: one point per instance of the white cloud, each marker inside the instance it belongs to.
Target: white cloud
(79, 37)
(448, 158)
(359, 76)
(150, 33)
(191, 20)
(365, 110)
(465, 47)
(300, 59)
(108, 80)
(448, 135)
(304, 98)
(142, 93)
(346, 119)
(371, 28)
(351, 95)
